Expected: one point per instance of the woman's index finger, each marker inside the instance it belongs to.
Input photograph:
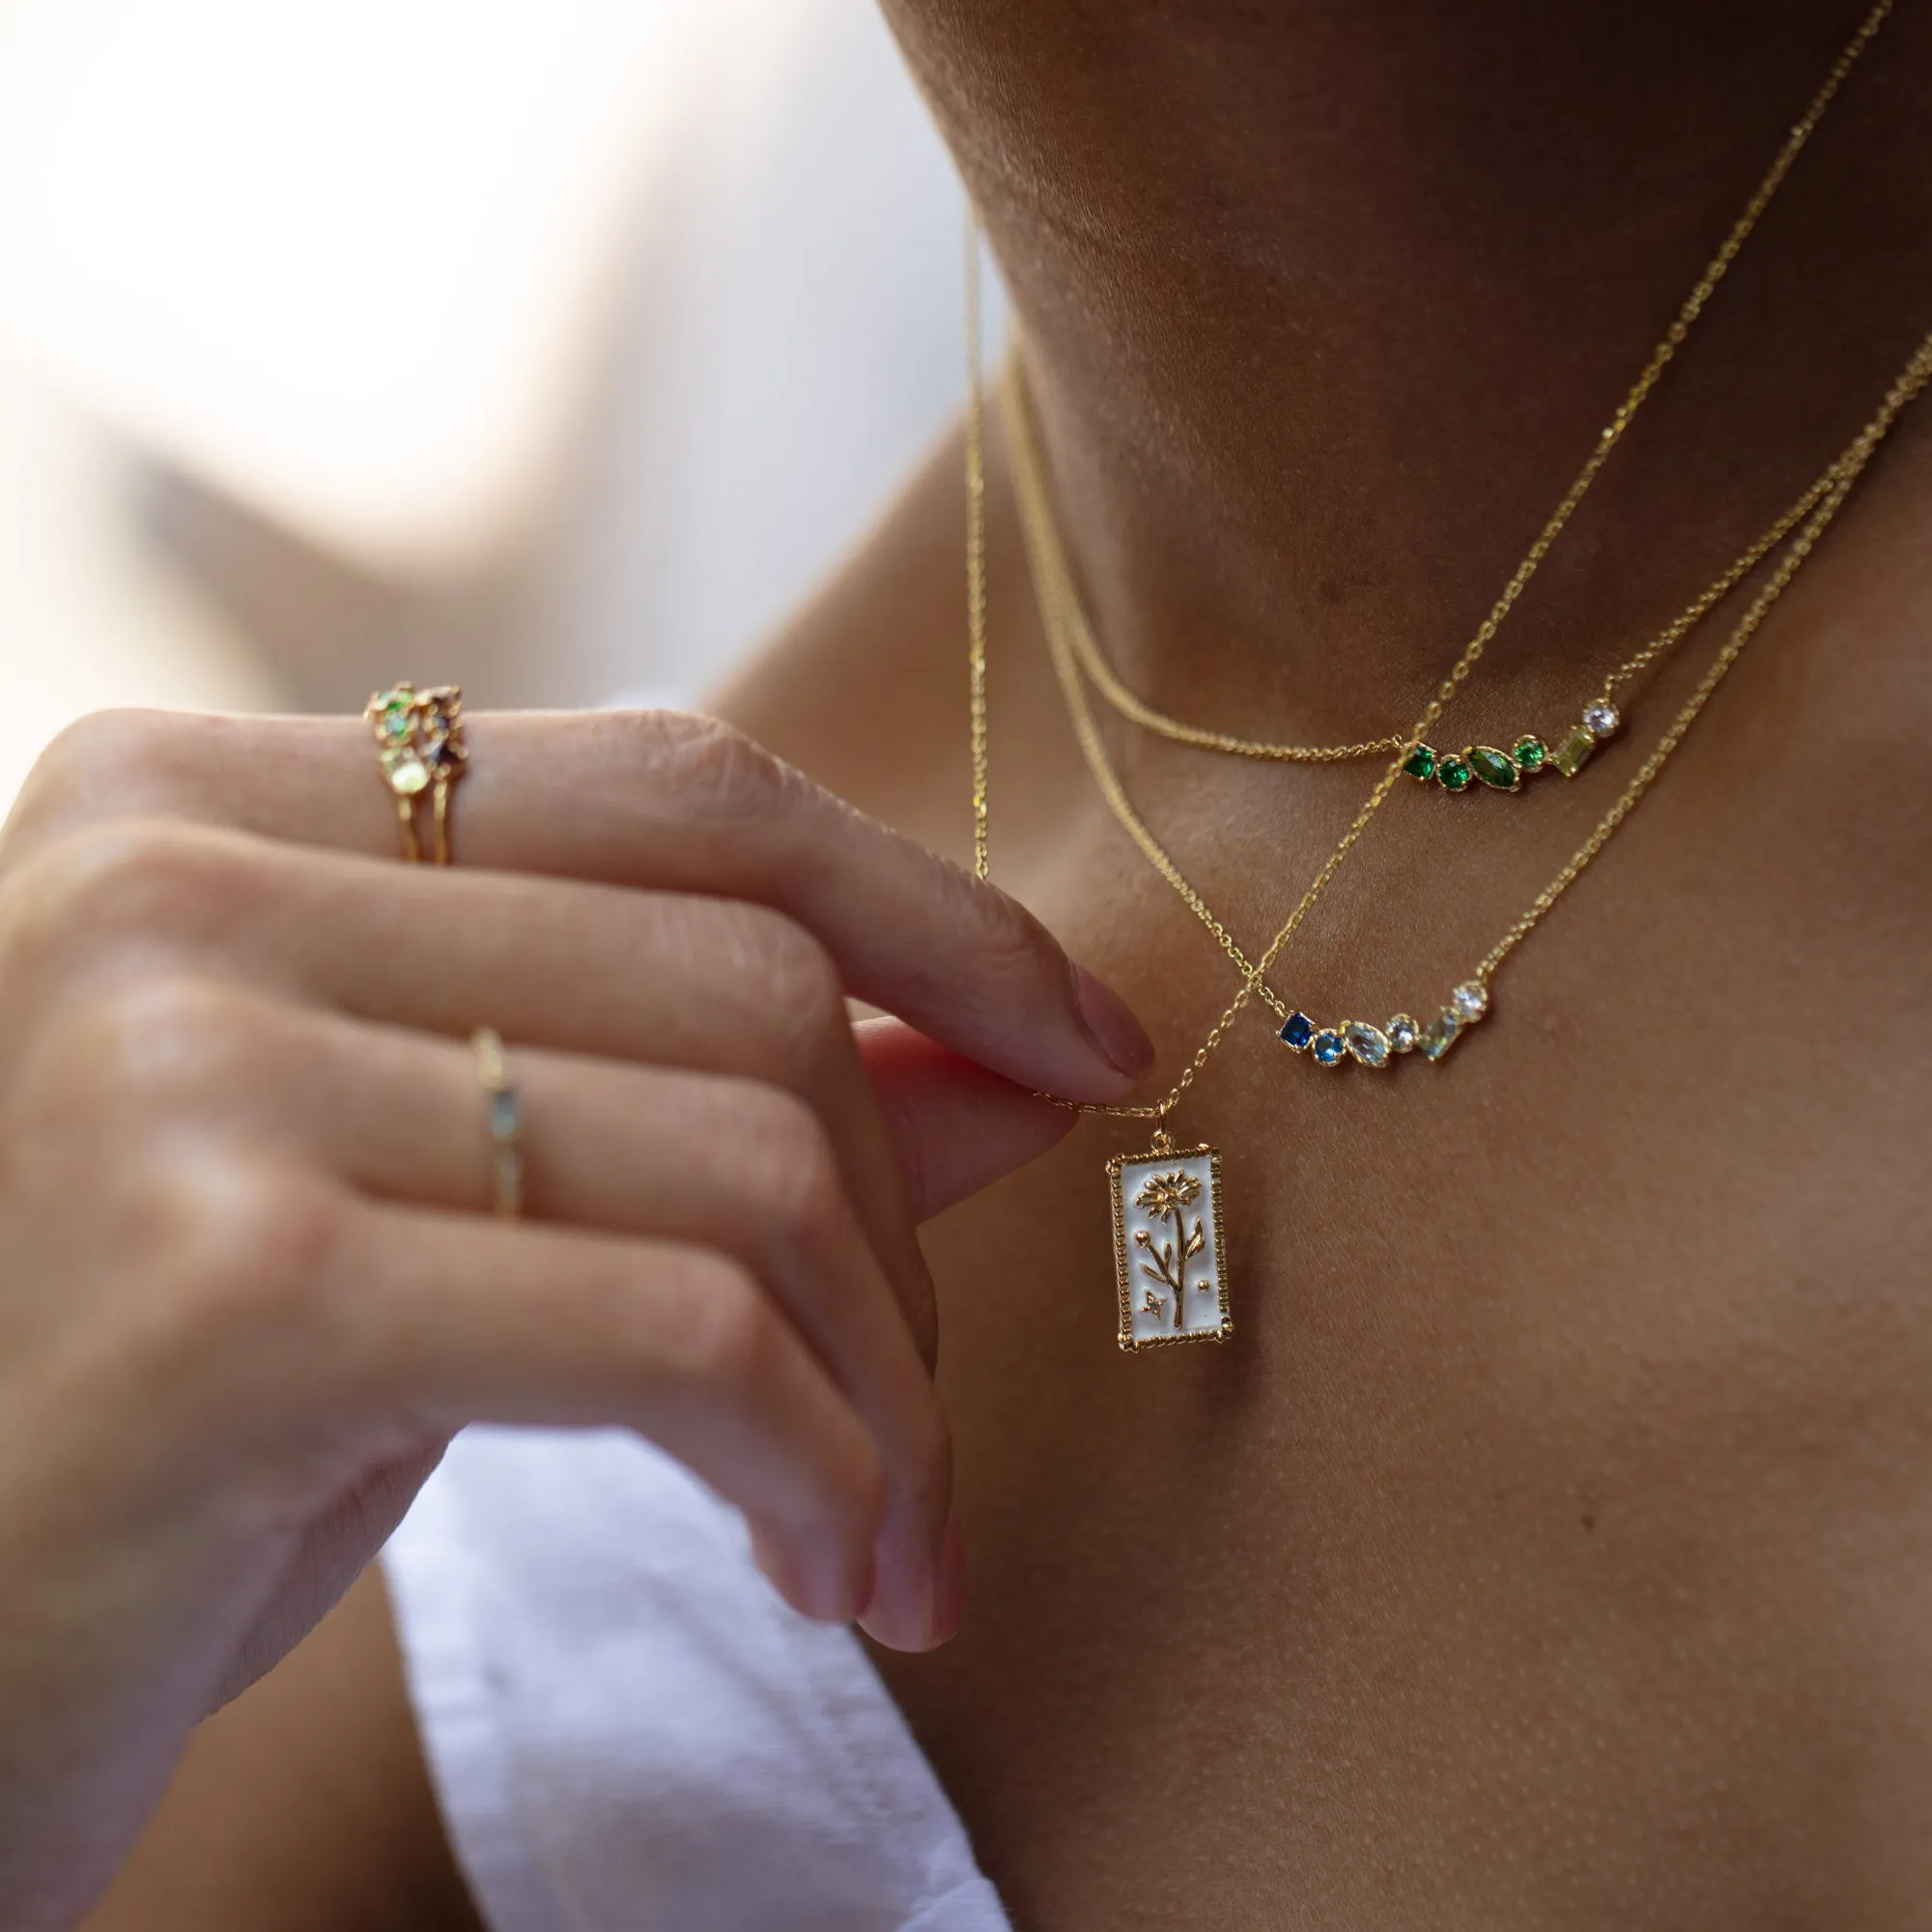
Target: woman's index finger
(652, 800)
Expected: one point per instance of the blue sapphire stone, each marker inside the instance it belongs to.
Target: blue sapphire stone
(1329, 1048)
(1299, 1030)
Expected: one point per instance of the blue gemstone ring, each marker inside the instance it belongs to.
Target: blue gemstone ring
(504, 1116)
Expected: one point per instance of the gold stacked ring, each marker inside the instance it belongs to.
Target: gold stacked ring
(505, 1119)
(421, 747)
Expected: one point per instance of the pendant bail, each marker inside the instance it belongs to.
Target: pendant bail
(1163, 1141)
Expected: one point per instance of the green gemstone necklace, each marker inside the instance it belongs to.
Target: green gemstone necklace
(1475, 767)
(1491, 768)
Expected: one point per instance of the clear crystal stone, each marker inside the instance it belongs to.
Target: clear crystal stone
(1402, 1033)
(1439, 1035)
(1601, 717)
(1471, 1002)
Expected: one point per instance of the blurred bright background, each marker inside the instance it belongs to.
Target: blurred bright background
(553, 347)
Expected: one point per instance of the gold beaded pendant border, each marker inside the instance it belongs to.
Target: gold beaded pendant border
(1123, 1283)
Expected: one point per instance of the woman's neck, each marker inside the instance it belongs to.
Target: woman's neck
(1326, 304)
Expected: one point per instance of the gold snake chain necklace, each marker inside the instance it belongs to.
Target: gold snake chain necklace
(1168, 1249)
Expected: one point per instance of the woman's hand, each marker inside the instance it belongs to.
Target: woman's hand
(251, 1282)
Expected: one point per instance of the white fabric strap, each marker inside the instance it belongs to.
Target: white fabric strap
(629, 1732)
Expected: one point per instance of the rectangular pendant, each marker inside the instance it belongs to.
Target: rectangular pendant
(1168, 1258)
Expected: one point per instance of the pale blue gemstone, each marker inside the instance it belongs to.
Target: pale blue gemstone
(1439, 1035)
(1365, 1043)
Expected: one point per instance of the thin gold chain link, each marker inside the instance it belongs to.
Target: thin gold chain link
(1688, 620)
(1130, 706)
(1254, 976)
(1910, 384)
(975, 544)
(1092, 660)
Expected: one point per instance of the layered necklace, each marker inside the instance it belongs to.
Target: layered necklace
(1170, 1252)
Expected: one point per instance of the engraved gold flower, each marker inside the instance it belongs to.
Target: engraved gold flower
(1165, 1195)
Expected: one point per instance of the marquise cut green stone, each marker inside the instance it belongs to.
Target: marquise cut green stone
(1532, 754)
(1453, 774)
(1496, 769)
(1420, 762)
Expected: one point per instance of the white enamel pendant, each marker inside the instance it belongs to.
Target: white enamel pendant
(1168, 1256)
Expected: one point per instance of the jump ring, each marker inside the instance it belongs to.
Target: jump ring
(506, 1117)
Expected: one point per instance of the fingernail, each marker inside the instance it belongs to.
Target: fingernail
(859, 1593)
(900, 1614)
(825, 1593)
(899, 1610)
(1109, 1023)
(949, 1585)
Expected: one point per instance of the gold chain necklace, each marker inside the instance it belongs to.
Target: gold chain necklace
(1479, 768)
(1153, 1194)
(1475, 767)
(1362, 1041)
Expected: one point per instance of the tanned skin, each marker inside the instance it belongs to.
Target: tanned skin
(1553, 1546)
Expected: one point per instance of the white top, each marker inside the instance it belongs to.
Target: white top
(630, 1732)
